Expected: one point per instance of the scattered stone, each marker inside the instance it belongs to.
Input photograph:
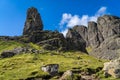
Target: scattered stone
(19, 50)
(52, 69)
(112, 68)
(68, 75)
(89, 77)
(7, 54)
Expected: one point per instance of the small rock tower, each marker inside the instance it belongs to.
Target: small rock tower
(33, 21)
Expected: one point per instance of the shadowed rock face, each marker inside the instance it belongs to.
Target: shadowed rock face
(33, 21)
(75, 41)
(83, 31)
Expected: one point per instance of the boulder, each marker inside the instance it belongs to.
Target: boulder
(11, 53)
(7, 54)
(52, 69)
(33, 21)
(112, 68)
(68, 75)
(18, 50)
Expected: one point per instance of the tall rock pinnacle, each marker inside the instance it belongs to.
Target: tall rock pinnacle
(33, 21)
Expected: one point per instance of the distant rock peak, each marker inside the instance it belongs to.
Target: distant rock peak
(33, 21)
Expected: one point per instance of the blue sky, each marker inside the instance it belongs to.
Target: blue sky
(56, 14)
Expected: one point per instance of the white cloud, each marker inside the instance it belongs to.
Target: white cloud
(65, 32)
(68, 20)
(73, 21)
(101, 11)
(65, 19)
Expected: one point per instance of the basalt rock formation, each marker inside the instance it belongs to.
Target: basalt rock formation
(94, 35)
(109, 27)
(83, 31)
(33, 21)
(75, 41)
(33, 32)
(103, 37)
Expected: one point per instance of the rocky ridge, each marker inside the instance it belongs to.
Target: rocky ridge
(102, 37)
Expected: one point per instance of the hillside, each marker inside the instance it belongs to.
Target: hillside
(24, 66)
(86, 53)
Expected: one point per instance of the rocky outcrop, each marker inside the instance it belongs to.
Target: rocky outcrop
(33, 32)
(112, 68)
(18, 50)
(109, 25)
(103, 37)
(109, 28)
(50, 40)
(53, 44)
(68, 75)
(75, 41)
(33, 21)
(109, 49)
(52, 69)
(83, 31)
(7, 54)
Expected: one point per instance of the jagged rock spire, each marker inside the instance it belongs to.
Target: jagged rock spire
(33, 21)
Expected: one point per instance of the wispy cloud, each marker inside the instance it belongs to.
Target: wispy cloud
(68, 20)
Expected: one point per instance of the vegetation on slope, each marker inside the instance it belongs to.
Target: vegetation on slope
(27, 66)
(9, 45)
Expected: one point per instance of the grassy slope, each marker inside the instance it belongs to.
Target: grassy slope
(9, 45)
(28, 65)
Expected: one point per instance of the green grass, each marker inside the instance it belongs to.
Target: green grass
(9, 45)
(35, 46)
(28, 65)
(24, 65)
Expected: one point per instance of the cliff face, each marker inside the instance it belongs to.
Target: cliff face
(109, 27)
(103, 37)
